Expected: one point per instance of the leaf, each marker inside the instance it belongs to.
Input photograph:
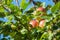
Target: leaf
(44, 35)
(8, 2)
(23, 31)
(1, 9)
(50, 35)
(2, 14)
(44, 5)
(55, 7)
(12, 34)
(24, 4)
(10, 17)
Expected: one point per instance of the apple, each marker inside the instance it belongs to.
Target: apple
(41, 9)
(13, 27)
(42, 23)
(34, 23)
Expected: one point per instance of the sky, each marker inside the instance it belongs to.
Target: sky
(47, 2)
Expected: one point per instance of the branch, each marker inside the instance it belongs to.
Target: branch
(17, 2)
(6, 8)
(55, 1)
(33, 2)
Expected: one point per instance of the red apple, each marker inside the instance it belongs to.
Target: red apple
(42, 23)
(41, 9)
(34, 23)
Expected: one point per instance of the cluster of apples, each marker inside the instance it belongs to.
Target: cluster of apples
(37, 23)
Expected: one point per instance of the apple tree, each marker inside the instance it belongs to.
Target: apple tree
(37, 23)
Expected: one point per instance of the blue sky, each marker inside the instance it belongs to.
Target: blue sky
(46, 1)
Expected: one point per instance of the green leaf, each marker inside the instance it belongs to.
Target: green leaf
(55, 7)
(10, 18)
(12, 34)
(24, 4)
(2, 14)
(44, 36)
(1, 9)
(8, 2)
(50, 35)
(23, 31)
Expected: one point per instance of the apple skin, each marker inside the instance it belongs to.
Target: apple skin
(34, 23)
(13, 27)
(42, 23)
(41, 9)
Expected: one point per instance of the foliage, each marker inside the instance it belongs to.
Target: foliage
(20, 29)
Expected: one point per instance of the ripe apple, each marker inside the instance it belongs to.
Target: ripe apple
(41, 9)
(42, 23)
(34, 23)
